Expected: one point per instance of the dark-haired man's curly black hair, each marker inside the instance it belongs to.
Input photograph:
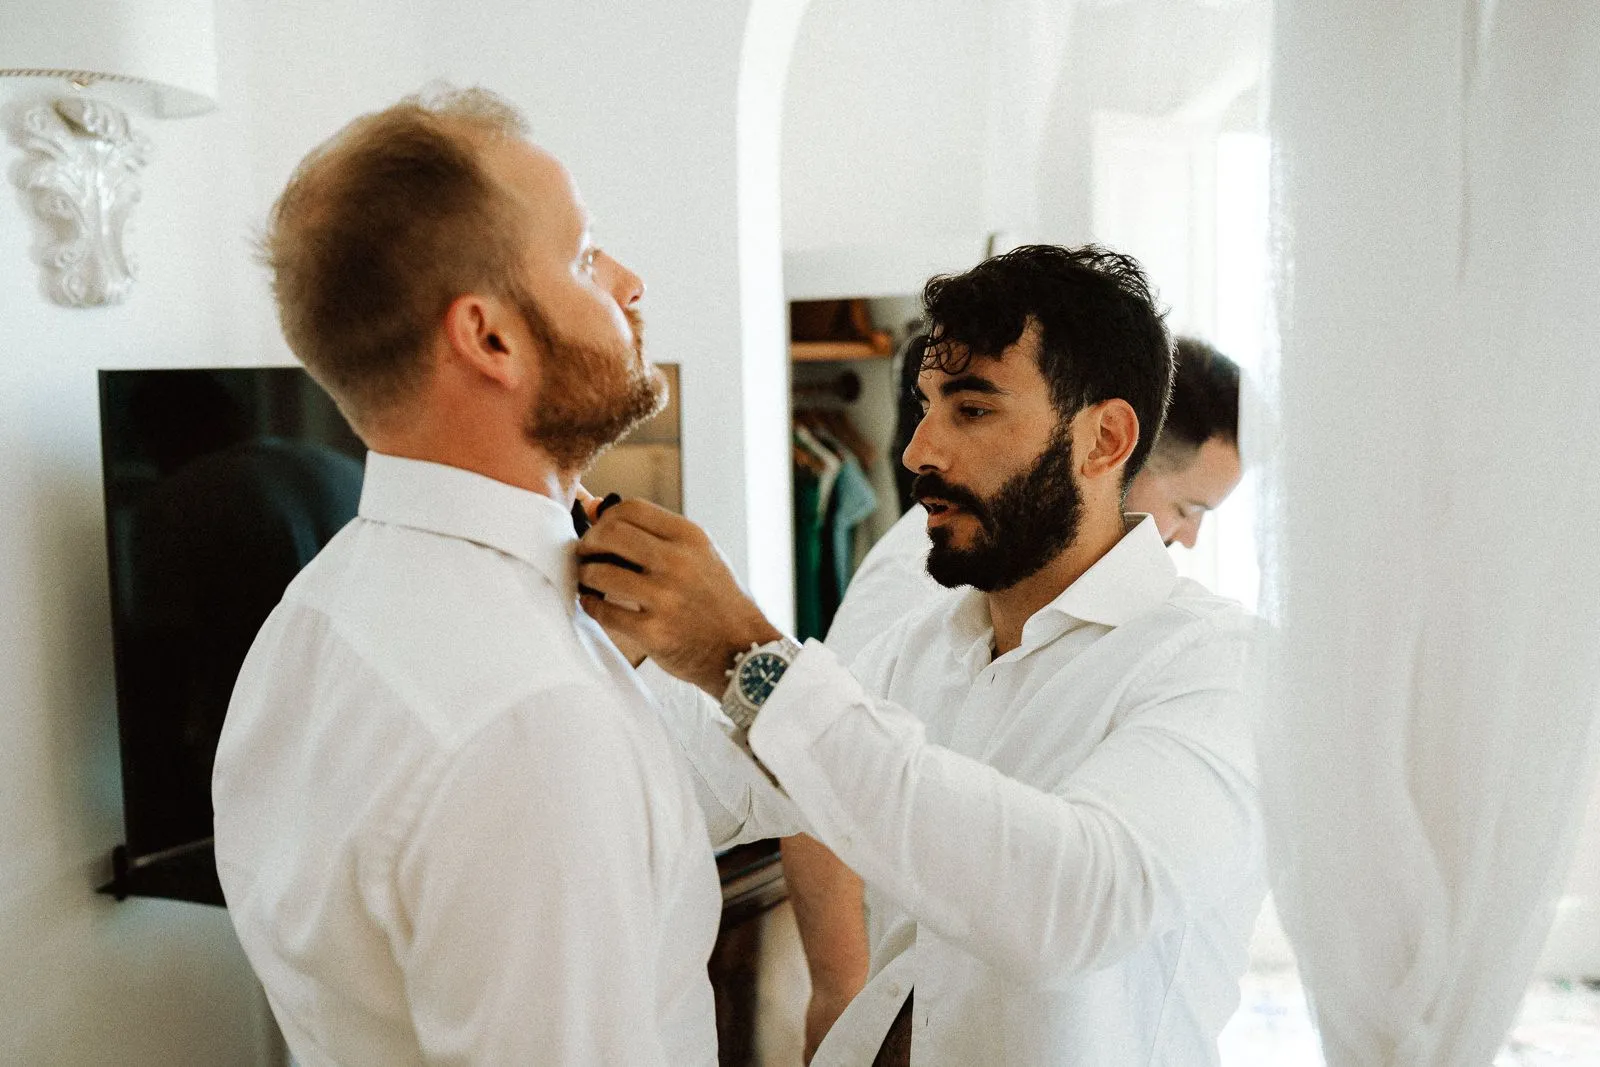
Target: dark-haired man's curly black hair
(1102, 337)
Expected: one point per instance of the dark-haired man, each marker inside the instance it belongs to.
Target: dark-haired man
(1046, 786)
(1191, 470)
(449, 825)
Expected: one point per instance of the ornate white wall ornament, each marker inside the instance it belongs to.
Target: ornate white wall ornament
(158, 58)
(84, 181)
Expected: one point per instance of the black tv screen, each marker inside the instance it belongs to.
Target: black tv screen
(219, 486)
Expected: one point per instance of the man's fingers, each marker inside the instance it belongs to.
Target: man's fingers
(651, 518)
(623, 539)
(614, 619)
(618, 584)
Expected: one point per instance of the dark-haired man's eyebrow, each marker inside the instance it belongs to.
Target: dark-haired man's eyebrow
(970, 383)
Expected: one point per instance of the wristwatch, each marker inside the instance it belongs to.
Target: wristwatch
(755, 673)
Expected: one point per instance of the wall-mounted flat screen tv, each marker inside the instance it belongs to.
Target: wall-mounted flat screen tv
(219, 486)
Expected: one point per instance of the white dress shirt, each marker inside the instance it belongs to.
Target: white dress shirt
(891, 583)
(449, 825)
(1061, 845)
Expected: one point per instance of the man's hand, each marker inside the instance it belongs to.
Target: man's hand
(683, 606)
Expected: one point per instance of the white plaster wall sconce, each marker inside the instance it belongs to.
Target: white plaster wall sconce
(157, 57)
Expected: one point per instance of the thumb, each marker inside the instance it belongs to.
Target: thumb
(620, 616)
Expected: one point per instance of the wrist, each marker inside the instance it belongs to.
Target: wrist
(760, 634)
(752, 676)
(715, 678)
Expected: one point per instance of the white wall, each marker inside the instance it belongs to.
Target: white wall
(638, 99)
(1028, 41)
(82, 978)
(769, 41)
(916, 129)
(883, 135)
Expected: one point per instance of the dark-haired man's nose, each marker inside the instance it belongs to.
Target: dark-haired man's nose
(922, 452)
(1188, 533)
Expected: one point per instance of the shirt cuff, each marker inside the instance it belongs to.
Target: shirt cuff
(813, 692)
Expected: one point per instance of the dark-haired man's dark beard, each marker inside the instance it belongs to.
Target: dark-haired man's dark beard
(1022, 527)
(589, 398)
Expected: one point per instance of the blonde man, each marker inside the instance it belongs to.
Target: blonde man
(448, 824)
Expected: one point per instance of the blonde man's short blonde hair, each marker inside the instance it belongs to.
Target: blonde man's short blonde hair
(379, 230)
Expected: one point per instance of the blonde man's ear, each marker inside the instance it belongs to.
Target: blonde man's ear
(486, 336)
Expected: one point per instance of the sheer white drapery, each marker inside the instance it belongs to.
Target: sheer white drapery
(1431, 500)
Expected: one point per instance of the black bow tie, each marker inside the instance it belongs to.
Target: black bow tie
(581, 523)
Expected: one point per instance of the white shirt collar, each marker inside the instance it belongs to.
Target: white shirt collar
(453, 502)
(1136, 575)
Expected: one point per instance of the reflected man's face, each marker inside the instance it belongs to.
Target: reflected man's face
(1179, 487)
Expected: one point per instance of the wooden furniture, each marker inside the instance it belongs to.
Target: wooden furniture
(752, 884)
(835, 330)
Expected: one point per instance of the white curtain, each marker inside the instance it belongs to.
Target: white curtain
(1431, 452)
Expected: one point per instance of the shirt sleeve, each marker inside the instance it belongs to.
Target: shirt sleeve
(534, 913)
(1040, 884)
(739, 801)
(891, 583)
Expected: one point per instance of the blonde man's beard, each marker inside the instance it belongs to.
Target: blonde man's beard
(591, 397)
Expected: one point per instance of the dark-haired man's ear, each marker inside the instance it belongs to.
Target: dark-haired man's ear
(1110, 430)
(484, 337)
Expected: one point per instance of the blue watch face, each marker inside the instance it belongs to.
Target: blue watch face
(759, 674)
